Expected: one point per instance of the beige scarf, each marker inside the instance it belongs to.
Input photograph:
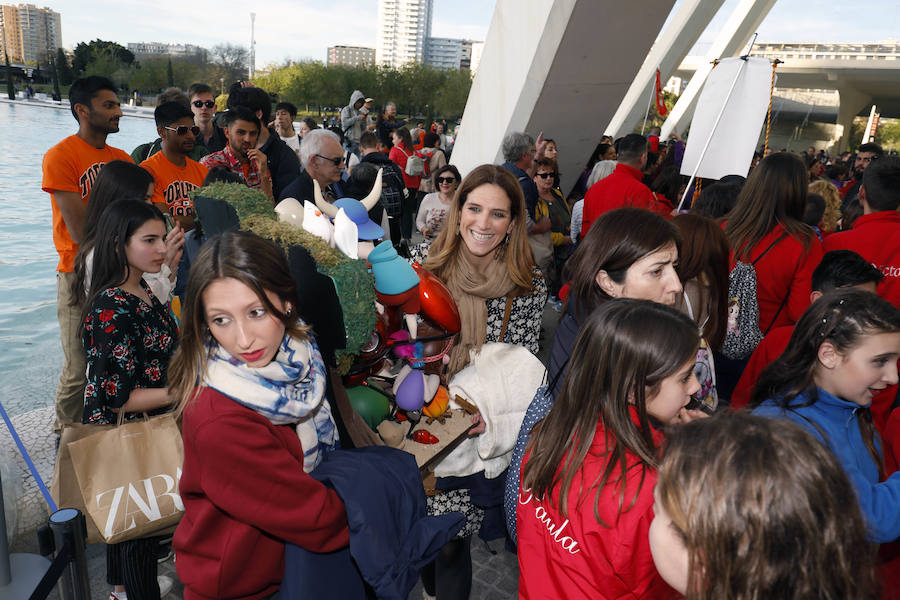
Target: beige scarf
(471, 289)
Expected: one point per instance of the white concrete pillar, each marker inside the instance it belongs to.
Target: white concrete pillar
(558, 66)
(731, 41)
(674, 42)
(852, 101)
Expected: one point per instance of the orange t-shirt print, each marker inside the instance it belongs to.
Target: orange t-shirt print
(173, 184)
(72, 165)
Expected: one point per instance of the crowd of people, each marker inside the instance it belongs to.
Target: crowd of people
(718, 417)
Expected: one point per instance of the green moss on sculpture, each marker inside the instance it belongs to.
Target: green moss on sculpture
(354, 284)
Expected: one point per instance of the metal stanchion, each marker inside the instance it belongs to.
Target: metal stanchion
(19, 573)
(67, 525)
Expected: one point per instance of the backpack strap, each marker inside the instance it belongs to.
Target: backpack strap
(772, 245)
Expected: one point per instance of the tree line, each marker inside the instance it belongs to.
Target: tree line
(416, 89)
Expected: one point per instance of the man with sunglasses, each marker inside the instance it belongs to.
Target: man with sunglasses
(203, 105)
(145, 151)
(175, 175)
(322, 158)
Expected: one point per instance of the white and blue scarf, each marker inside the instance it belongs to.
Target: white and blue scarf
(288, 390)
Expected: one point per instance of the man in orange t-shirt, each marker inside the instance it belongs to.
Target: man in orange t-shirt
(70, 168)
(174, 174)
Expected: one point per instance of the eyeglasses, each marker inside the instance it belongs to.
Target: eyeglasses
(202, 103)
(183, 129)
(446, 179)
(335, 161)
(543, 175)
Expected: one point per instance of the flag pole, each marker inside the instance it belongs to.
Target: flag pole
(649, 102)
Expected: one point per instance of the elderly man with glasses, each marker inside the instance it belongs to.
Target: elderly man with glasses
(322, 158)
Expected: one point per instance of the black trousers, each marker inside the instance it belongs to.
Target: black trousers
(133, 564)
(408, 212)
(449, 577)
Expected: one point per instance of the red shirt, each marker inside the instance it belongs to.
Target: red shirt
(245, 494)
(577, 557)
(400, 156)
(765, 354)
(875, 237)
(621, 188)
(784, 272)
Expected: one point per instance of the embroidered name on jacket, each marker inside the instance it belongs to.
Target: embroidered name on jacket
(556, 532)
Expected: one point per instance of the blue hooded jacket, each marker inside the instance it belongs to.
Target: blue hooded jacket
(835, 422)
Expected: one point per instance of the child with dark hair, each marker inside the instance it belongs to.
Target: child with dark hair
(843, 351)
(714, 535)
(838, 269)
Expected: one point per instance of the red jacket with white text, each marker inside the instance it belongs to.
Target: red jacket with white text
(875, 237)
(577, 557)
(245, 494)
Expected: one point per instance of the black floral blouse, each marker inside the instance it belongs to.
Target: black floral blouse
(128, 345)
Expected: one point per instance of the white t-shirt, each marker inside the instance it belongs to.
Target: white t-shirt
(293, 143)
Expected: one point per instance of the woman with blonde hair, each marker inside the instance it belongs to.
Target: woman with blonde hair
(832, 215)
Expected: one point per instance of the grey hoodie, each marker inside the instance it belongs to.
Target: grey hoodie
(352, 120)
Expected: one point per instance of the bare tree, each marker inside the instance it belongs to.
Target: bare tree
(232, 61)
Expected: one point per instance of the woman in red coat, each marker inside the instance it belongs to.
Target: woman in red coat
(586, 498)
(400, 154)
(254, 427)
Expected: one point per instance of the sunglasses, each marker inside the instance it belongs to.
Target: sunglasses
(543, 175)
(183, 129)
(335, 161)
(202, 103)
(446, 179)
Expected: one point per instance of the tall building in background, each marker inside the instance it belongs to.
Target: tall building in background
(351, 56)
(403, 28)
(444, 53)
(29, 34)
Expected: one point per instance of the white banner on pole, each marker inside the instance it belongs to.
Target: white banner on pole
(734, 136)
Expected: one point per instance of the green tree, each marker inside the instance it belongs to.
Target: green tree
(10, 88)
(107, 52)
(231, 60)
(170, 76)
(63, 68)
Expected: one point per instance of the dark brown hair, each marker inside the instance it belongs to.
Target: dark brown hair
(257, 263)
(841, 317)
(764, 511)
(775, 193)
(703, 257)
(624, 351)
(614, 242)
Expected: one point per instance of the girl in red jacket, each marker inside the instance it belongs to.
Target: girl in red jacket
(400, 154)
(254, 426)
(585, 501)
(715, 535)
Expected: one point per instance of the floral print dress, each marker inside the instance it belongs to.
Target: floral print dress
(128, 345)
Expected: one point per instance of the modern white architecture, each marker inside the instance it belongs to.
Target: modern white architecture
(403, 28)
(29, 34)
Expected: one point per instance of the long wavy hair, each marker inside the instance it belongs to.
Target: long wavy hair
(117, 224)
(516, 251)
(703, 257)
(827, 190)
(842, 317)
(775, 193)
(615, 241)
(117, 180)
(257, 263)
(764, 511)
(624, 351)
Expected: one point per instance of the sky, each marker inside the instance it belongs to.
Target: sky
(303, 29)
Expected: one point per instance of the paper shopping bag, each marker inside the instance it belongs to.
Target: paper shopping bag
(128, 476)
(64, 488)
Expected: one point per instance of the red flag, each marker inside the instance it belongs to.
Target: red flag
(661, 109)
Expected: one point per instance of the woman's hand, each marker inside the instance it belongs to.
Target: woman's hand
(686, 415)
(480, 425)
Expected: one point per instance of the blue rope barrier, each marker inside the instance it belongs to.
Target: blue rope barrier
(34, 472)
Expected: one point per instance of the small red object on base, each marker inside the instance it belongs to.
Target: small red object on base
(423, 436)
